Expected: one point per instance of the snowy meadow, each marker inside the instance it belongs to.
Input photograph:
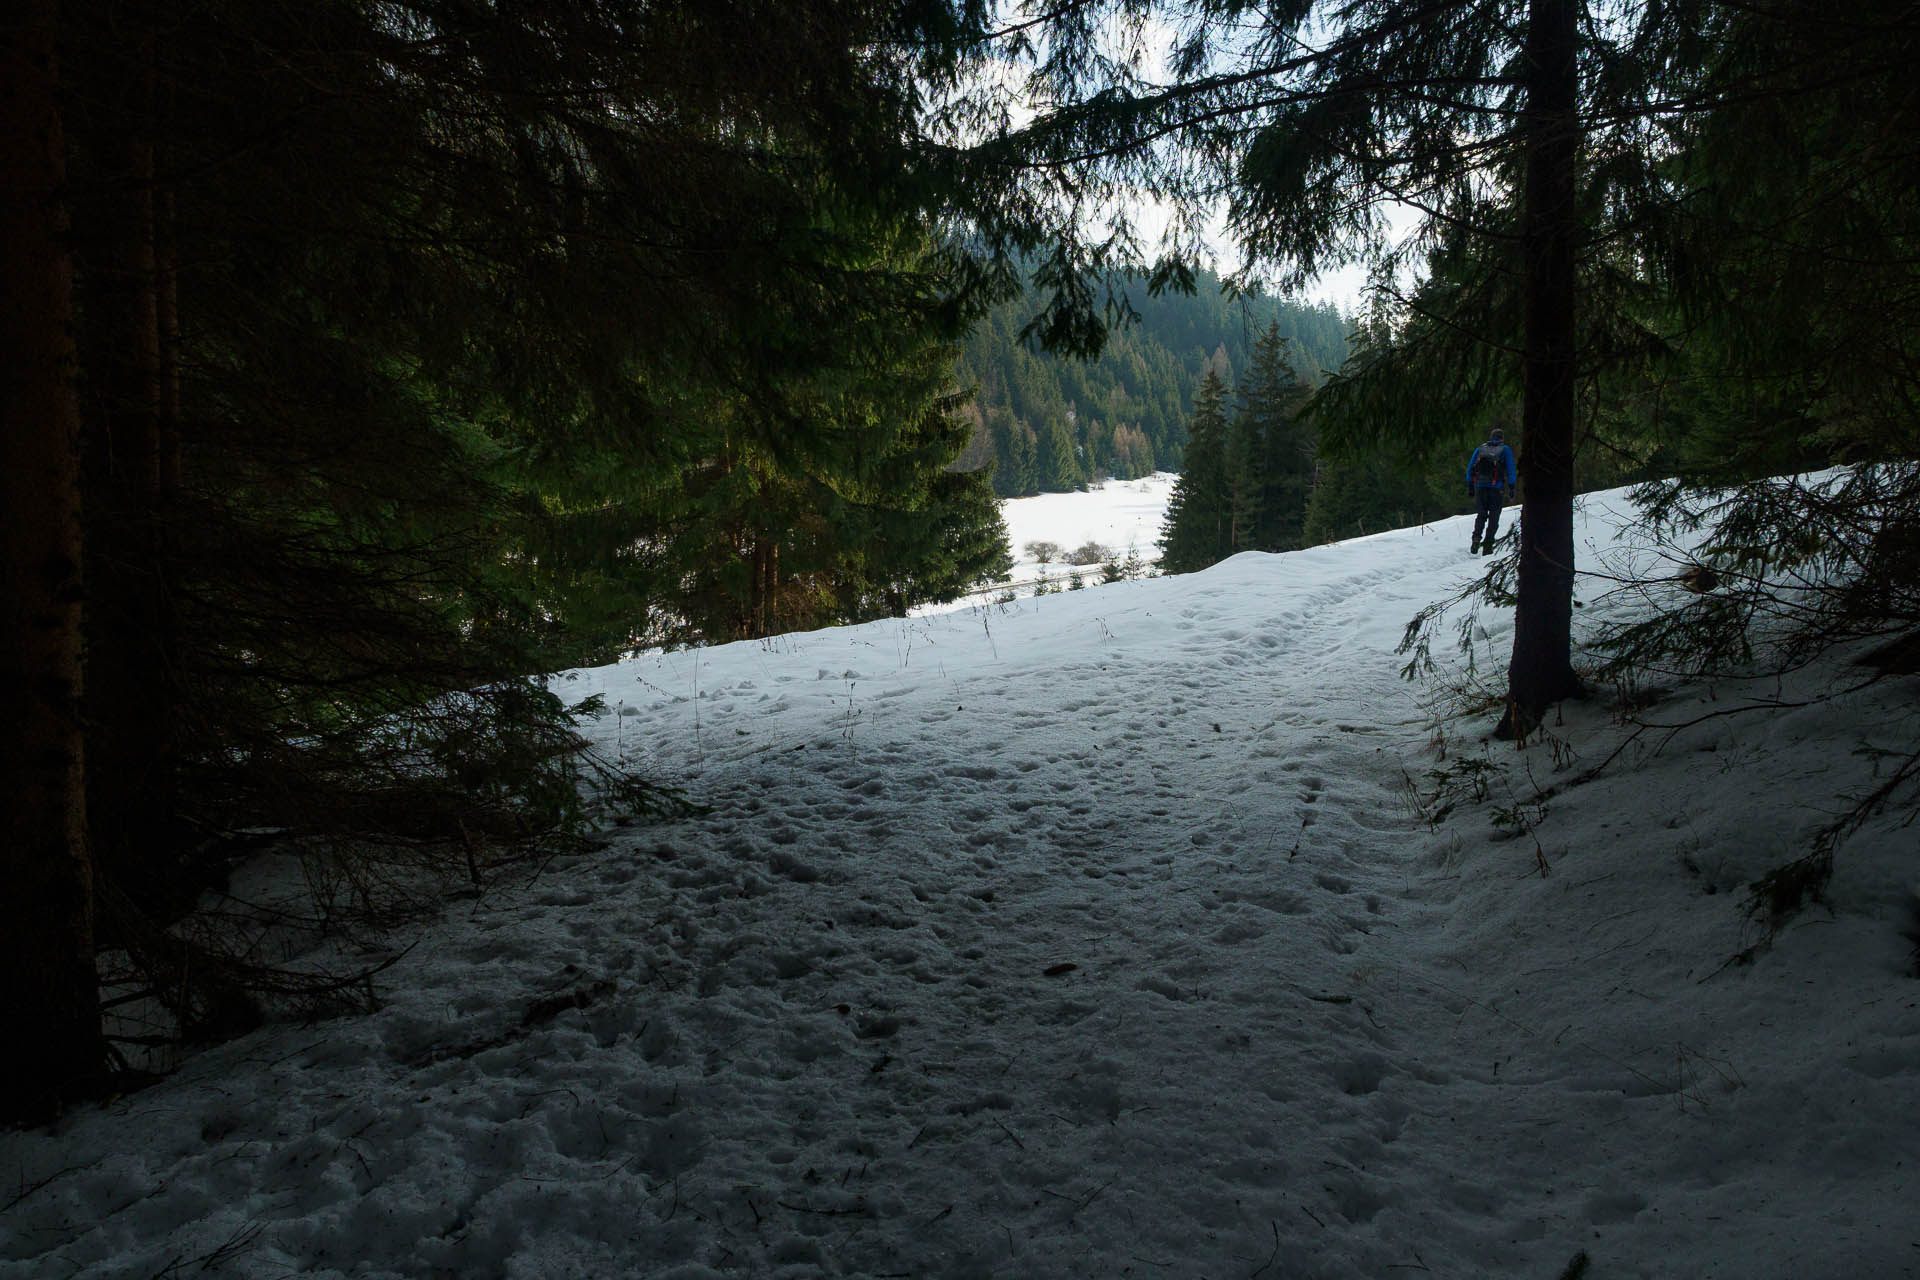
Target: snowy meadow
(1122, 517)
(1158, 929)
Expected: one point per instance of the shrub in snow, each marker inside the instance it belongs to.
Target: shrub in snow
(1088, 552)
(1043, 552)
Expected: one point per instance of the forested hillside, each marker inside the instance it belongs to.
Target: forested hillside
(1051, 423)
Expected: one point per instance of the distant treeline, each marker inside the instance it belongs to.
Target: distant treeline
(1051, 423)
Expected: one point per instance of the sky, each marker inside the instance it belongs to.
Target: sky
(1158, 929)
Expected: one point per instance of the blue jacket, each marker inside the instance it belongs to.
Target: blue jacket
(1506, 462)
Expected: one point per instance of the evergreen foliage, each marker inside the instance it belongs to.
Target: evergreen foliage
(422, 347)
(1374, 492)
(1796, 323)
(1248, 477)
(1199, 520)
(1279, 448)
(1124, 412)
(783, 551)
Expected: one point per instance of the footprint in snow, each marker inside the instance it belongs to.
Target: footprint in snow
(1357, 1199)
(1606, 1208)
(1165, 987)
(1361, 1074)
(1239, 931)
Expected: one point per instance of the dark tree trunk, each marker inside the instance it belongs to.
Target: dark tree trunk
(49, 997)
(770, 593)
(131, 467)
(1541, 672)
(167, 300)
(757, 590)
(760, 615)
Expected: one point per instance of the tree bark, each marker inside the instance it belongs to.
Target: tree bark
(772, 590)
(49, 1000)
(1541, 672)
(130, 470)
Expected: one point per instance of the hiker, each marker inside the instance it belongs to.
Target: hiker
(1490, 476)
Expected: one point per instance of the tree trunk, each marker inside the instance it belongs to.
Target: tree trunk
(770, 590)
(127, 258)
(753, 611)
(1541, 672)
(167, 298)
(51, 1005)
(130, 469)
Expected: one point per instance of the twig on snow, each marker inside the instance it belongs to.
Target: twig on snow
(1276, 1248)
(27, 1189)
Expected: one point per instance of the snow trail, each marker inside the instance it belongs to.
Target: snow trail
(1095, 935)
(1143, 860)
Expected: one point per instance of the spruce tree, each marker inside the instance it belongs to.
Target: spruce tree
(1281, 449)
(1059, 467)
(876, 525)
(1198, 528)
(1015, 468)
(1245, 459)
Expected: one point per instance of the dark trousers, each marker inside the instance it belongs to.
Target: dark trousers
(1487, 504)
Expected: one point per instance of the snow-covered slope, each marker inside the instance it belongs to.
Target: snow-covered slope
(1095, 935)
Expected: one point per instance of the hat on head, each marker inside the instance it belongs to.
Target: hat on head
(1495, 436)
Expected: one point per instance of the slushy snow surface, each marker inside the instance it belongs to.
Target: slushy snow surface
(1097, 935)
